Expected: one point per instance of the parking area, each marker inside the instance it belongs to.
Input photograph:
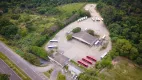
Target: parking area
(75, 49)
(5, 69)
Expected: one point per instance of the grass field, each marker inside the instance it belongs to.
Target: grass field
(14, 67)
(123, 70)
(68, 9)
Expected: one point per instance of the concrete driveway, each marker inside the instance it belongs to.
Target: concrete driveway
(75, 49)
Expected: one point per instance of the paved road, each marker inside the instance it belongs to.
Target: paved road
(54, 74)
(21, 63)
(5, 69)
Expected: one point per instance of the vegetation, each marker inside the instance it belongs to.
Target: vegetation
(69, 37)
(124, 25)
(123, 69)
(48, 73)
(32, 59)
(88, 75)
(39, 52)
(28, 23)
(14, 67)
(76, 30)
(4, 77)
(70, 9)
(61, 76)
(91, 32)
(104, 45)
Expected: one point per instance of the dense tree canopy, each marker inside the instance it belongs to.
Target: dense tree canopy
(124, 23)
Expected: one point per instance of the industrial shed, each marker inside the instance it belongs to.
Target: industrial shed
(85, 37)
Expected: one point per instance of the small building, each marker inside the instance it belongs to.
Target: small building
(74, 71)
(85, 37)
(60, 59)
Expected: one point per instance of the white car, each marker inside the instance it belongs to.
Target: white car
(93, 19)
(97, 19)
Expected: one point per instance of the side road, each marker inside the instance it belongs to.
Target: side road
(34, 72)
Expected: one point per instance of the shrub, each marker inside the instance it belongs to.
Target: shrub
(91, 32)
(15, 16)
(76, 30)
(104, 63)
(41, 41)
(31, 58)
(39, 52)
(83, 13)
(69, 37)
(104, 46)
(61, 76)
(30, 26)
(9, 31)
(4, 77)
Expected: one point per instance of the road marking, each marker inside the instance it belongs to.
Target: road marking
(1, 70)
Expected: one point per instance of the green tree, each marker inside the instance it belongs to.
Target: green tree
(123, 47)
(61, 76)
(69, 37)
(88, 75)
(9, 31)
(4, 77)
(76, 30)
(133, 53)
(139, 60)
(31, 58)
(39, 52)
(91, 32)
(41, 41)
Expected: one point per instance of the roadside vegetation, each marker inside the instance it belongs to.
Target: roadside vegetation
(48, 73)
(14, 67)
(4, 77)
(61, 76)
(27, 25)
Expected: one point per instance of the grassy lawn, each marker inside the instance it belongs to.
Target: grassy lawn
(14, 67)
(48, 73)
(68, 9)
(122, 70)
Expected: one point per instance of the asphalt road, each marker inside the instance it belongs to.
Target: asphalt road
(21, 63)
(5, 69)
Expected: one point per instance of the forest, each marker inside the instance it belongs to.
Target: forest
(123, 18)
